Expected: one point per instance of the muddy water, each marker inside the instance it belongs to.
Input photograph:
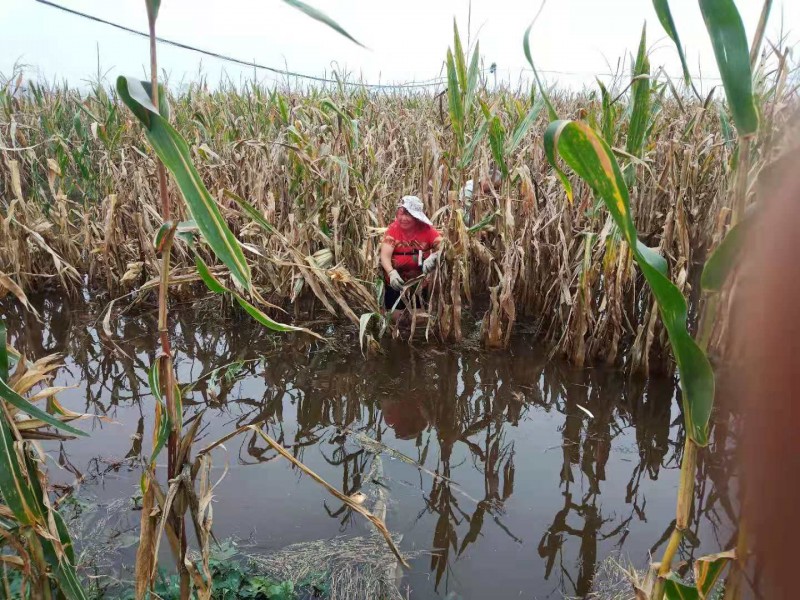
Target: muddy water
(553, 468)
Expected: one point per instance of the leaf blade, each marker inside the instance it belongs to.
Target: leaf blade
(592, 159)
(321, 17)
(173, 151)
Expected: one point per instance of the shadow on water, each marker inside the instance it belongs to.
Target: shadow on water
(540, 471)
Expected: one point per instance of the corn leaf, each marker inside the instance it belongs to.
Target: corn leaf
(640, 91)
(665, 16)
(472, 78)
(269, 323)
(162, 420)
(469, 150)
(675, 589)
(454, 105)
(708, 569)
(3, 351)
(34, 411)
(592, 159)
(524, 125)
(609, 120)
(152, 8)
(174, 153)
(497, 137)
(551, 111)
(461, 64)
(212, 283)
(14, 486)
(60, 558)
(721, 262)
(729, 41)
(320, 16)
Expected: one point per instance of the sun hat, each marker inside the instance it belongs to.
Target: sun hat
(413, 206)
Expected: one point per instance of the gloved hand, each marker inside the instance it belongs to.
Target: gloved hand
(395, 281)
(429, 264)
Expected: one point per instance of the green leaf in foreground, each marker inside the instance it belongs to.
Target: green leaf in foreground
(174, 153)
(708, 569)
(665, 16)
(320, 16)
(13, 398)
(3, 352)
(721, 262)
(269, 323)
(675, 589)
(729, 40)
(591, 158)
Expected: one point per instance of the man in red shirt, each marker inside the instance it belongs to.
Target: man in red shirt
(410, 248)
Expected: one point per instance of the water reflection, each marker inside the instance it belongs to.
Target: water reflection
(504, 435)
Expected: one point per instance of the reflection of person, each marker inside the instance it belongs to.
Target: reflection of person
(410, 248)
(405, 417)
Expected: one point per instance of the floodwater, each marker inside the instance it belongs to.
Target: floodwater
(550, 469)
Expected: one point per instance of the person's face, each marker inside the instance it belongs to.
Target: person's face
(405, 220)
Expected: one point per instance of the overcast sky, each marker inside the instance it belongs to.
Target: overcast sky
(405, 40)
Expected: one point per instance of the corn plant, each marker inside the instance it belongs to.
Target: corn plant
(164, 512)
(32, 529)
(592, 159)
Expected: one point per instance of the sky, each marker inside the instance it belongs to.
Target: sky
(572, 41)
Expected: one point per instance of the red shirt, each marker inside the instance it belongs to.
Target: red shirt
(408, 245)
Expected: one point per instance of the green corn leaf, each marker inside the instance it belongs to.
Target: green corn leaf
(14, 485)
(212, 283)
(163, 423)
(34, 411)
(174, 153)
(497, 138)
(454, 105)
(153, 379)
(65, 573)
(469, 150)
(551, 111)
(3, 351)
(721, 262)
(592, 159)
(472, 79)
(550, 153)
(524, 125)
(708, 569)
(461, 65)
(153, 7)
(161, 235)
(62, 562)
(675, 589)
(725, 128)
(320, 16)
(733, 59)
(665, 16)
(269, 323)
(609, 120)
(640, 91)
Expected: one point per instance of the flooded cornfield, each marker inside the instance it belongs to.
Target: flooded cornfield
(504, 474)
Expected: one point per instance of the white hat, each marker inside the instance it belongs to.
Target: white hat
(413, 206)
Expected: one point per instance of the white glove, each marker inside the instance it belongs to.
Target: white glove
(395, 281)
(430, 263)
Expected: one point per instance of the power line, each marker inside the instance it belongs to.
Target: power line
(238, 61)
